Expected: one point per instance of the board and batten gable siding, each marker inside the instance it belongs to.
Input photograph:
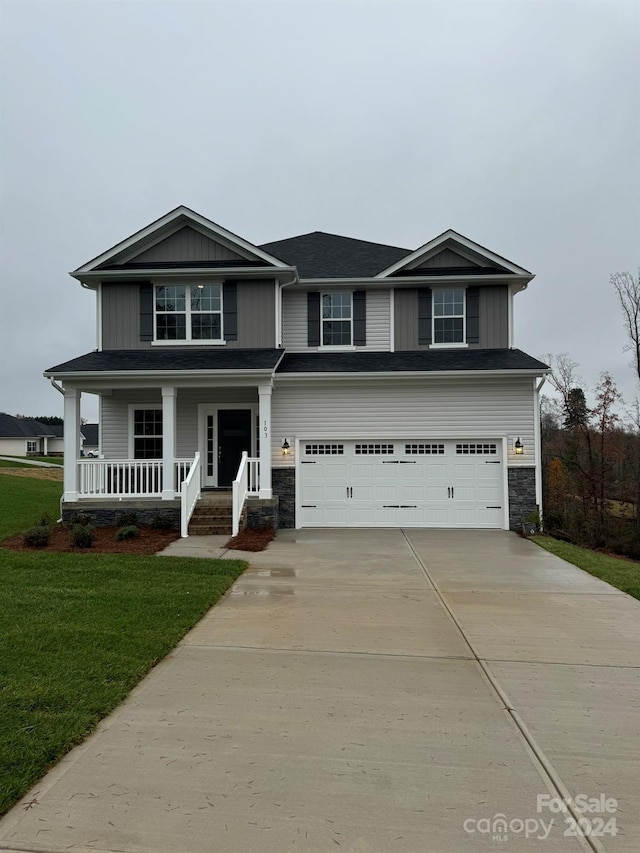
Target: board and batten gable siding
(294, 321)
(184, 246)
(404, 409)
(494, 318)
(256, 316)
(444, 259)
(114, 415)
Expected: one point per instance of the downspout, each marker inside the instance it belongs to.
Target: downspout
(537, 385)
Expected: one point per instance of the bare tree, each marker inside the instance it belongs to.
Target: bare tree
(628, 289)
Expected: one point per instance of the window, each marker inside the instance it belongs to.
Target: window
(376, 449)
(147, 433)
(424, 449)
(32, 447)
(448, 316)
(188, 312)
(336, 319)
(476, 449)
(324, 449)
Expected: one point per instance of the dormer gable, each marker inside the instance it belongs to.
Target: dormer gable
(452, 254)
(180, 239)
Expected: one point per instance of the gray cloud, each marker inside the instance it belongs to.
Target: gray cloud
(515, 123)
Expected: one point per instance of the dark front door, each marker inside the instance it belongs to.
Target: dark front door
(234, 436)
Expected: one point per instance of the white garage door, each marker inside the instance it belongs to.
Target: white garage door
(401, 483)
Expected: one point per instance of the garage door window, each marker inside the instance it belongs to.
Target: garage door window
(377, 449)
(324, 449)
(475, 449)
(424, 449)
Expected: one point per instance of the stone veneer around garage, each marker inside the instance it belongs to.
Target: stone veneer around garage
(522, 495)
(283, 482)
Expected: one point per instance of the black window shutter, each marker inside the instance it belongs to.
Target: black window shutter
(360, 318)
(146, 311)
(313, 319)
(473, 315)
(230, 310)
(424, 315)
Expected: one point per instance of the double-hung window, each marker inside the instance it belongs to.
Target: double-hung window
(32, 447)
(336, 319)
(448, 316)
(188, 312)
(147, 433)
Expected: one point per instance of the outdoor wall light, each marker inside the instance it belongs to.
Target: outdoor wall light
(286, 449)
(517, 447)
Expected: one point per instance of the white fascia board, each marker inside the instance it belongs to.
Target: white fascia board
(189, 215)
(96, 276)
(462, 241)
(174, 377)
(410, 280)
(407, 374)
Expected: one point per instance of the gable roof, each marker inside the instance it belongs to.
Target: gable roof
(165, 227)
(322, 255)
(462, 246)
(12, 427)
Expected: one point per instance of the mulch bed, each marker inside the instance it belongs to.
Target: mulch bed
(251, 540)
(147, 541)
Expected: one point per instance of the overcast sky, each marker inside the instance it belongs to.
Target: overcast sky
(515, 123)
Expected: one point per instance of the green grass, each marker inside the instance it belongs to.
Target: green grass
(619, 572)
(54, 460)
(4, 463)
(23, 501)
(78, 631)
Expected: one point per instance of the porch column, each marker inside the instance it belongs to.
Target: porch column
(71, 442)
(45, 445)
(168, 443)
(264, 418)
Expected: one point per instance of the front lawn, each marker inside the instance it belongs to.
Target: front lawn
(79, 631)
(53, 460)
(619, 572)
(23, 502)
(6, 463)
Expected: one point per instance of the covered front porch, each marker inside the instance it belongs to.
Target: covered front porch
(162, 446)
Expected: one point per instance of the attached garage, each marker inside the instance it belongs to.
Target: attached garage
(402, 483)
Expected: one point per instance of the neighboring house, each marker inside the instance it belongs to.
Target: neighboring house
(28, 437)
(370, 385)
(91, 443)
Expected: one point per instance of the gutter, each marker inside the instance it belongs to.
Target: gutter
(406, 374)
(422, 280)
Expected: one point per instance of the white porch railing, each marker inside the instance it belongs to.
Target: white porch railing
(130, 478)
(247, 482)
(189, 494)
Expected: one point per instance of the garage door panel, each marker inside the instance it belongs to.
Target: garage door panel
(390, 483)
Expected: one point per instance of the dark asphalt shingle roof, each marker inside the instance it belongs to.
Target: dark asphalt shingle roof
(426, 360)
(171, 358)
(12, 427)
(321, 255)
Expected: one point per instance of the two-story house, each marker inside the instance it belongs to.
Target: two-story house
(333, 381)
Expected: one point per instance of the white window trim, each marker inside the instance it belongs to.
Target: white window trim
(32, 441)
(188, 341)
(454, 344)
(130, 431)
(336, 347)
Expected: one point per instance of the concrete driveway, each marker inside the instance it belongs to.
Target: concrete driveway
(369, 691)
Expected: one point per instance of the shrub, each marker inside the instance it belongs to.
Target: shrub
(161, 521)
(81, 536)
(37, 537)
(45, 520)
(129, 531)
(80, 518)
(127, 519)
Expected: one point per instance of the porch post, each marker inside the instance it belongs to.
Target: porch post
(168, 443)
(264, 397)
(45, 445)
(71, 442)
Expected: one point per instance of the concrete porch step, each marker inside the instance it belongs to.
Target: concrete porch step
(212, 515)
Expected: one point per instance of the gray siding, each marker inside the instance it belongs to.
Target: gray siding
(445, 258)
(494, 318)
(294, 321)
(121, 316)
(184, 246)
(430, 409)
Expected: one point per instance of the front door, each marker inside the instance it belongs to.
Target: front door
(234, 436)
